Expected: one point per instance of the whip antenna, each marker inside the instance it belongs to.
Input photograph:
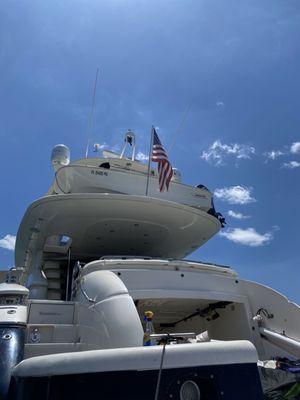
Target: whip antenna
(91, 117)
(179, 127)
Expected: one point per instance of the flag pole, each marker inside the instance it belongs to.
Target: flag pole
(149, 160)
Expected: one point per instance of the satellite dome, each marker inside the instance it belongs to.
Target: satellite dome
(60, 156)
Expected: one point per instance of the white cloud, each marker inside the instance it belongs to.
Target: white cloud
(218, 151)
(140, 113)
(273, 154)
(291, 164)
(141, 156)
(295, 148)
(8, 242)
(247, 237)
(220, 104)
(275, 228)
(237, 215)
(235, 194)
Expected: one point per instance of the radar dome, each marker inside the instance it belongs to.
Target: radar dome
(60, 156)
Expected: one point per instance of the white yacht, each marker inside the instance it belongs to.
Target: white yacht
(93, 256)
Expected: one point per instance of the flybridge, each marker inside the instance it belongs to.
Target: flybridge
(115, 173)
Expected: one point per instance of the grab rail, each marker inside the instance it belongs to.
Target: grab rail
(282, 341)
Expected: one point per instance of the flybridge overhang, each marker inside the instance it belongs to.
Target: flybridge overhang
(95, 225)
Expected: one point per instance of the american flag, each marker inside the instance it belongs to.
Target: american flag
(159, 155)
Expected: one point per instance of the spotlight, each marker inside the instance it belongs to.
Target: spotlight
(190, 391)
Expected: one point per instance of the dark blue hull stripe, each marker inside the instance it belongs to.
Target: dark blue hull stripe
(220, 382)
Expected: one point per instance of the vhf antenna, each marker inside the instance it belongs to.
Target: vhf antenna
(91, 117)
(176, 134)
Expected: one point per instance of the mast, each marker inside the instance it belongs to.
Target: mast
(91, 116)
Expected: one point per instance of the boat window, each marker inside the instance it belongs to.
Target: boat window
(105, 165)
(13, 299)
(202, 187)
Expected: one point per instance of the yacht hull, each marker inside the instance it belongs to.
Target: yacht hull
(213, 371)
(12, 339)
(137, 385)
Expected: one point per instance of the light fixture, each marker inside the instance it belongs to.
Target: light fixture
(190, 391)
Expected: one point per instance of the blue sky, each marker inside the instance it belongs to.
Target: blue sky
(234, 65)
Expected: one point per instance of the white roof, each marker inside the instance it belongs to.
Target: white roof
(12, 288)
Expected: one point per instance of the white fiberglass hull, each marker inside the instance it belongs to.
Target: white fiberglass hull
(85, 179)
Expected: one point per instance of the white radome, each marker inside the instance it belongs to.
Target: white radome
(60, 156)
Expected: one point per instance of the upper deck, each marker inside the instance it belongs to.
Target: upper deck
(124, 176)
